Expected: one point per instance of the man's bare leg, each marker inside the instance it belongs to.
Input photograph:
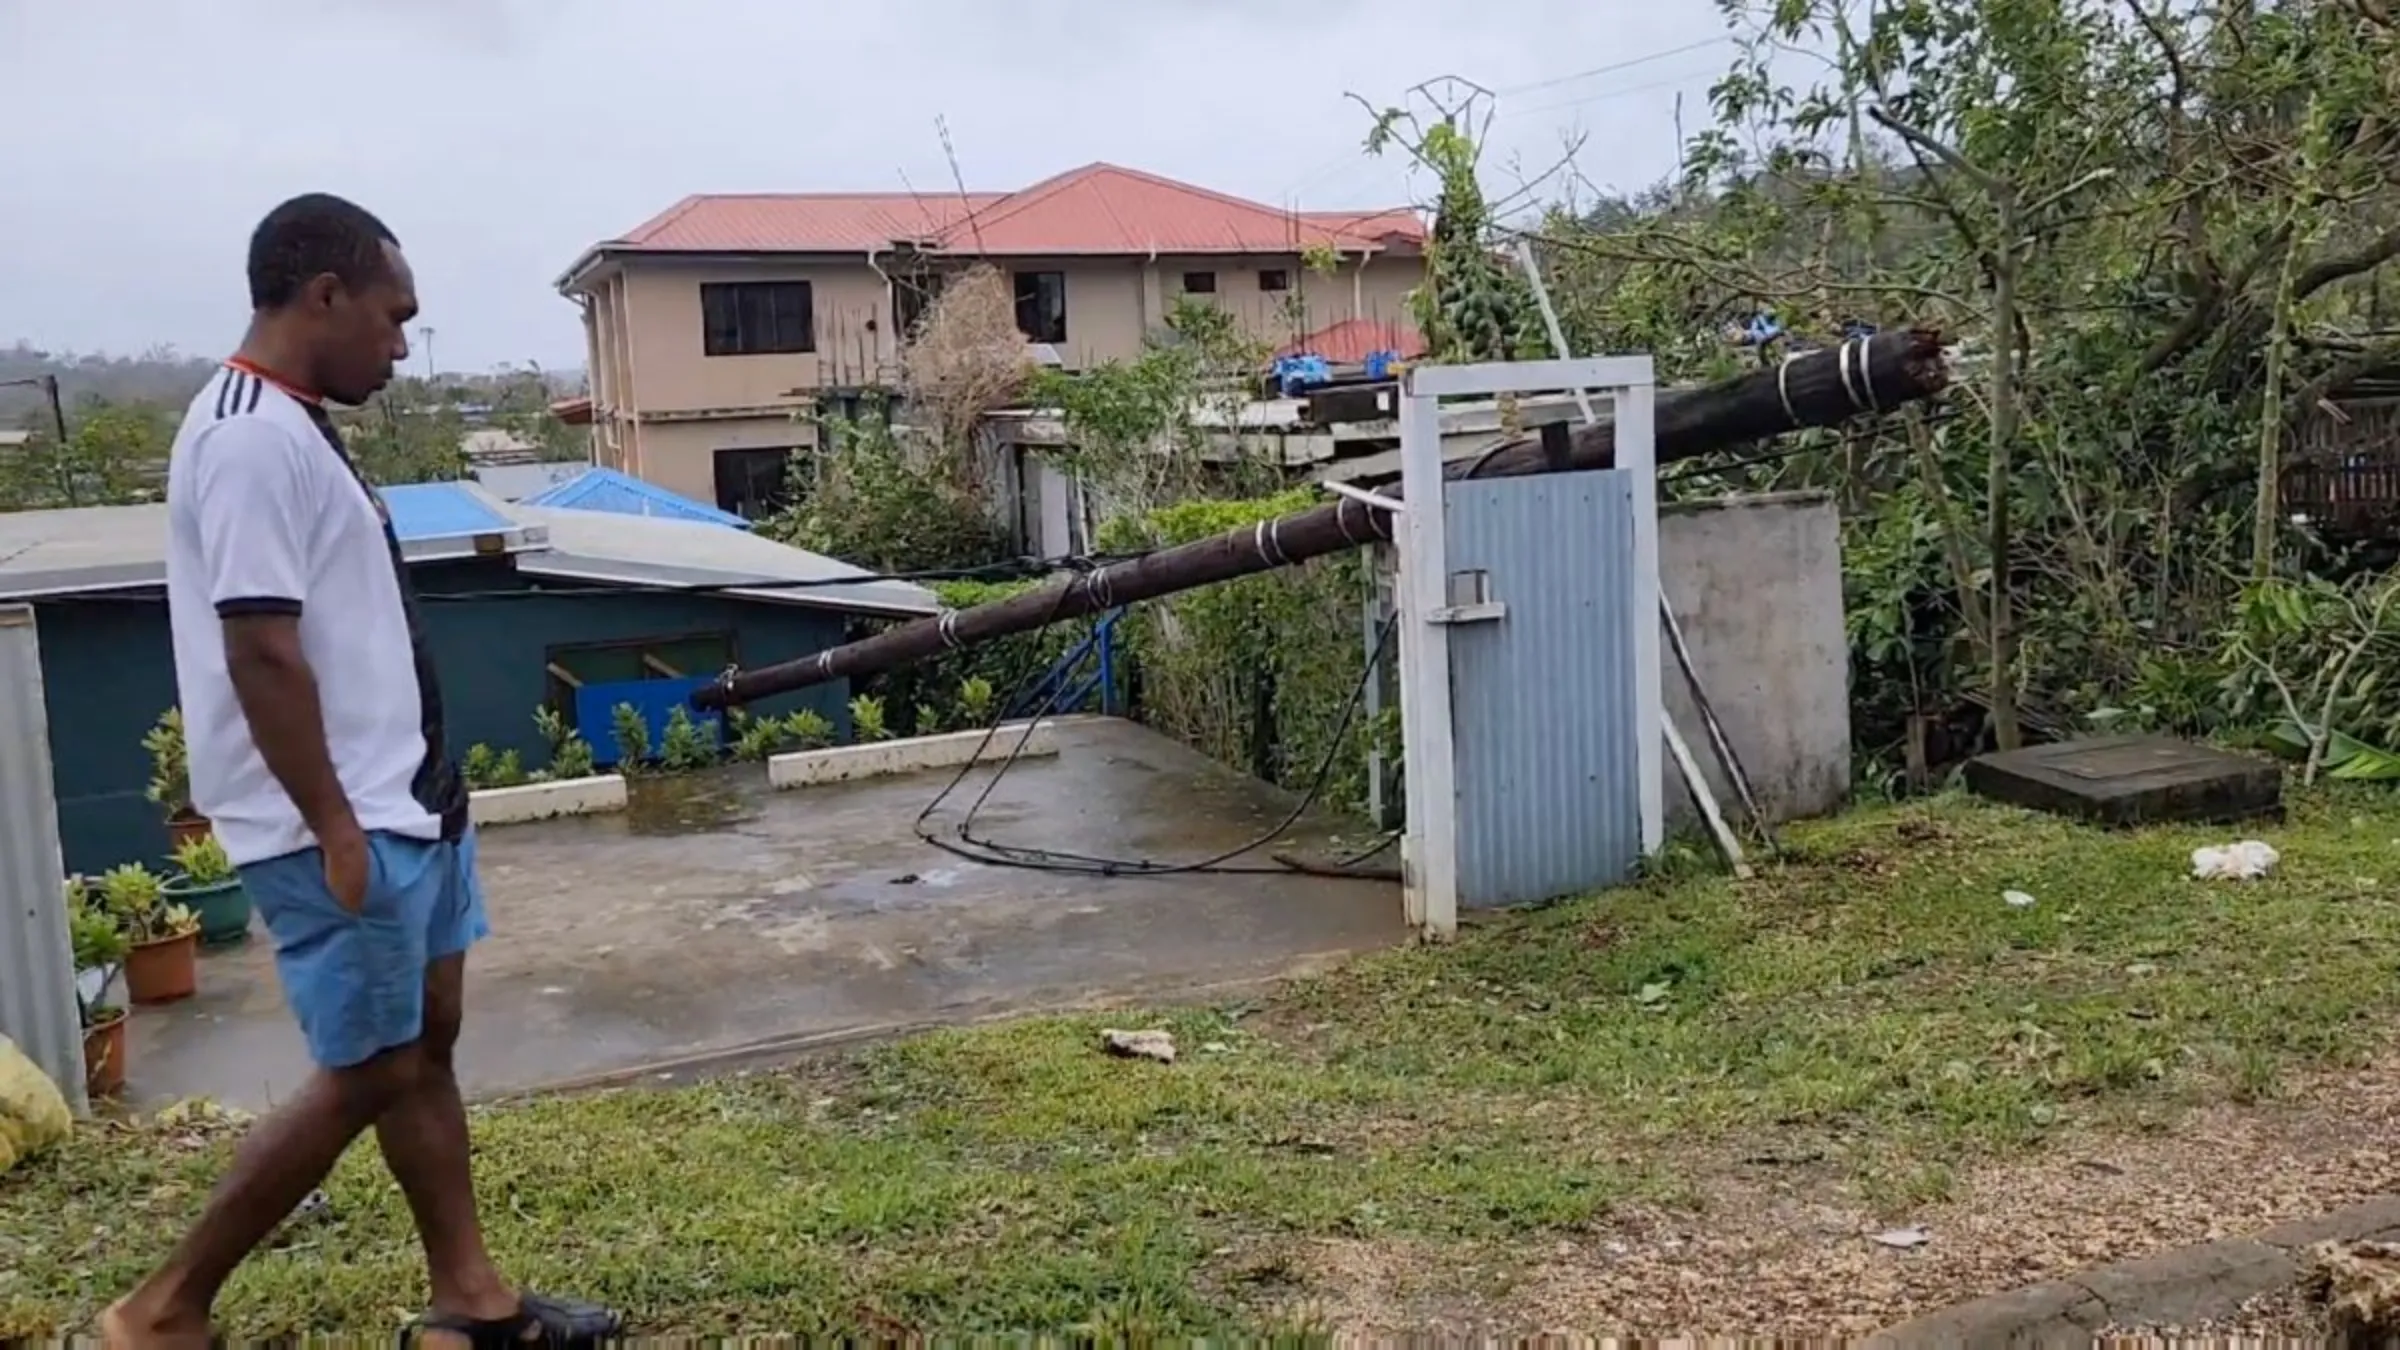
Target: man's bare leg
(424, 1141)
(285, 1156)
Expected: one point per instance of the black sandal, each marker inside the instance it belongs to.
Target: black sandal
(538, 1321)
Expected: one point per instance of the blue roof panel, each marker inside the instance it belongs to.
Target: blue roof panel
(598, 489)
(440, 511)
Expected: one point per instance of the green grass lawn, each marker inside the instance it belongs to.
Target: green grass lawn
(1875, 1001)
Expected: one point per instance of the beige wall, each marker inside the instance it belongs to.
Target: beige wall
(642, 331)
(682, 456)
(1376, 290)
(671, 373)
(1112, 304)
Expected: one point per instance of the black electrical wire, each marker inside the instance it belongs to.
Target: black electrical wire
(1015, 569)
(974, 849)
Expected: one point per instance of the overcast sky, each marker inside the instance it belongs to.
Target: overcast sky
(500, 137)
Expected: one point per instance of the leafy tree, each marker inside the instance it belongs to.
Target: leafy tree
(2157, 234)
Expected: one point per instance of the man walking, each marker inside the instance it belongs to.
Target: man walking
(315, 735)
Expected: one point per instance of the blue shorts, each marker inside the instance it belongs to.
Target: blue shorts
(356, 982)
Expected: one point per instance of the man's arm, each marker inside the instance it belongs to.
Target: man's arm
(278, 694)
(255, 505)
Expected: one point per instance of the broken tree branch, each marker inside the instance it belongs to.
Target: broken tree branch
(2326, 271)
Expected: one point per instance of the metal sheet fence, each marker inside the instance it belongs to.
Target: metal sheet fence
(1544, 698)
(37, 976)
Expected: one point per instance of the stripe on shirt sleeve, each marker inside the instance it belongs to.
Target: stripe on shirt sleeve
(238, 606)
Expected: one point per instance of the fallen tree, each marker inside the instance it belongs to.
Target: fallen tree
(1814, 389)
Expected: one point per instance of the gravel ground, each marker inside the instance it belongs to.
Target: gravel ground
(1788, 1250)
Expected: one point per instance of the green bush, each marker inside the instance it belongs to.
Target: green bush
(1255, 672)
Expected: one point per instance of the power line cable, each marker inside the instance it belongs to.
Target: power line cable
(1018, 569)
(1614, 66)
(1668, 83)
(969, 846)
(1316, 173)
(973, 848)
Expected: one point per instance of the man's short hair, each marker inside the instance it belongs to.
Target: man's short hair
(311, 235)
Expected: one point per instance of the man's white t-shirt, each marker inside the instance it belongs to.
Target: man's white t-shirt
(266, 515)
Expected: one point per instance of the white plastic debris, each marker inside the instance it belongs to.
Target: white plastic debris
(2017, 899)
(1903, 1239)
(2246, 861)
(1158, 1045)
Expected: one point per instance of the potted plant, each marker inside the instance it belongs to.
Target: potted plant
(99, 958)
(163, 963)
(171, 779)
(206, 882)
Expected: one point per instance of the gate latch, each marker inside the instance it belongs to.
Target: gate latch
(1470, 600)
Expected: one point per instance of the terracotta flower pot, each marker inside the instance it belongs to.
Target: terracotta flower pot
(186, 826)
(104, 1054)
(164, 970)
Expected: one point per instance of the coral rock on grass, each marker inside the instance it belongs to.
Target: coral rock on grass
(33, 1115)
(1157, 1045)
(2359, 1283)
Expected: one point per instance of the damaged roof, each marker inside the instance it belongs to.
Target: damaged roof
(80, 551)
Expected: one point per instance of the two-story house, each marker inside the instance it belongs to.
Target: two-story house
(711, 325)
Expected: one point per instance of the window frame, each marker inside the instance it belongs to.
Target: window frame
(558, 694)
(790, 490)
(731, 310)
(1054, 334)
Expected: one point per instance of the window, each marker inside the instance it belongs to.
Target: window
(1200, 283)
(757, 318)
(755, 484)
(1042, 306)
(572, 668)
(912, 300)
(1274, 279)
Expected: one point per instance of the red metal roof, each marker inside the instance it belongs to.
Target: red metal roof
(1101, 208)
(1396, 223)
(1097, 209)
(1351, 341)
(801, 222)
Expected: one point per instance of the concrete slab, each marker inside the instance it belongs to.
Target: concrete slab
(2130, 780)
(717, 915)
(2183, 1288)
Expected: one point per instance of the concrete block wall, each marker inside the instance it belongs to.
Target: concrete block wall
(1757, 585)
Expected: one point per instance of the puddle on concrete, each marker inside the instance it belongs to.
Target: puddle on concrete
(688, 803)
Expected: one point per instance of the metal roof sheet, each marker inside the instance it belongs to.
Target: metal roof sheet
(1096, 209)
(827, 222)
(602, 489)
(443, 511)
(516, 482)
(1351, 341)
(654, 551)
(105, 548)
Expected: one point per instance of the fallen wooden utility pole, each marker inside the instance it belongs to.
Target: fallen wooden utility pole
(1814, 389)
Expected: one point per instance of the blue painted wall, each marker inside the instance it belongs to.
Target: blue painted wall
(108, 670)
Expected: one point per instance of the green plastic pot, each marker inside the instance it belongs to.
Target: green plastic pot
(222, 908)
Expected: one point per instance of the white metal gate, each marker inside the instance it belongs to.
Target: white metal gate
(1532, 634)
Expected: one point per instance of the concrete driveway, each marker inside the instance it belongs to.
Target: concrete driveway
(720, 920)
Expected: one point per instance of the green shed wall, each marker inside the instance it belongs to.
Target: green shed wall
(108, 670)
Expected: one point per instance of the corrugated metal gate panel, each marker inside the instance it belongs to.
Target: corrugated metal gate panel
(1543, 698)
(37, 979)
